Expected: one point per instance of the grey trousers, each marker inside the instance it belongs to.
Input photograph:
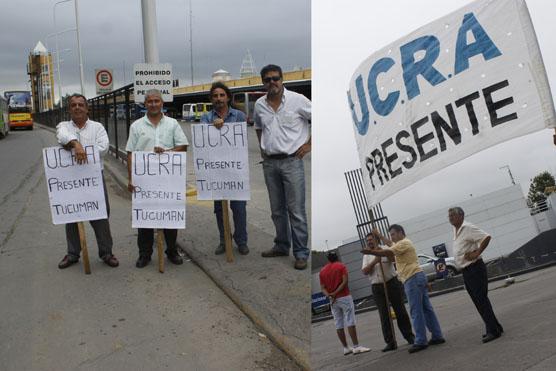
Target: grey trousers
(102, 234)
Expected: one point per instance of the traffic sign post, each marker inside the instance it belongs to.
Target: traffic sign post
(104, 80)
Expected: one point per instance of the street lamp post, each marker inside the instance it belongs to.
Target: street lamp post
(78, 47)
(57, 53)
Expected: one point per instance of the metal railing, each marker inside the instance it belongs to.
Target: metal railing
(115, 110)
(540, 207)
(367, 218)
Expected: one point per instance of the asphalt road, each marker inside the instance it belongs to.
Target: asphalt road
(526, 309)
(116, 318)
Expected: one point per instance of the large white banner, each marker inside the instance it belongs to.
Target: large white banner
(468, 81)
(221, 162)
(159, 197)
(75, 192)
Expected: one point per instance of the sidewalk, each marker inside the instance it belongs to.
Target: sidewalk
(269, 291)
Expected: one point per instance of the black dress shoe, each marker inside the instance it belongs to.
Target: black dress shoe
(500, 329)
(67, 261)
(389, 347)
(142, 261)
(175, 259)
(243, 249)
(417, 348)
(411, 340)
(111, 261)
(436, 341)
(490, 337)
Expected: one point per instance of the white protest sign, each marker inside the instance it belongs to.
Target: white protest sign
(159, 197)
(456, 86)
(221, 161)
(148, 76)
(75, 192)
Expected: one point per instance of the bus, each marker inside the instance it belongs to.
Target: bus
(19, 109)
(245, 101)
(194, 111)
(4, 127)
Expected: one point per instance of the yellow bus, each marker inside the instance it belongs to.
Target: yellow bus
(194, 111)
(19, 109)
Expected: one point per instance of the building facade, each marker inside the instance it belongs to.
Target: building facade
(40, 71)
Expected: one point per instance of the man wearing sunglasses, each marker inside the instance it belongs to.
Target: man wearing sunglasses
(282, 121)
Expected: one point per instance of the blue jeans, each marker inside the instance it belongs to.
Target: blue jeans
(240, 221)
(285, 181)
(422, 313)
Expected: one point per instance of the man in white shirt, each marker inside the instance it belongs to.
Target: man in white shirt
(75, 134)
(158, 133)
(371, 268)
(469, 244)
(282, 125)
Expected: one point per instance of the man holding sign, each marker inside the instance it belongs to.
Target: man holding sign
(76, 134)
(220, 96)
(158, 133)
(282, 124)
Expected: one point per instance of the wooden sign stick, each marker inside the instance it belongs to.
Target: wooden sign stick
(160, 249)
(388, 303)
(227, 231)
(84, 251)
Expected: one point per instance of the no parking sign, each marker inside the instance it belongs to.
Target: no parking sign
(104, 80)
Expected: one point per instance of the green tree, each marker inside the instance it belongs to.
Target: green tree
(538, 185)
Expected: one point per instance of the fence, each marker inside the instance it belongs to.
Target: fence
(367, 218)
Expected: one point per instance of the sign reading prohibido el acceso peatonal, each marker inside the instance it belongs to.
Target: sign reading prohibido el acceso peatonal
(75, 191)
(148, 76)
(159, 197)
(221, 161)
(454, 87)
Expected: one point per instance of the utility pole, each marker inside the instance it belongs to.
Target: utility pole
(191, 41)
(148, 12)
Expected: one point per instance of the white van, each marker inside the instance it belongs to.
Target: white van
(188, 111)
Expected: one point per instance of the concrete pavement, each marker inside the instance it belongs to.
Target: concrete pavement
(525, 309)
(116, 318)
(269, 291)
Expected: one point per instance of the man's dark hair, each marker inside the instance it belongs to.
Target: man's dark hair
(221, 85)
(457, 210)
(397, 228)
(332, 256)
(271, 68)
(77, 95)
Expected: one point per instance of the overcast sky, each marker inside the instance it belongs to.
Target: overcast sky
(344, 35)
(275, 31)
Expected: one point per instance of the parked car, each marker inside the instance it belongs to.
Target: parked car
(427, 264)
(319, 303)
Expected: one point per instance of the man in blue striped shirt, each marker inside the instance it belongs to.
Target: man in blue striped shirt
(221, 97)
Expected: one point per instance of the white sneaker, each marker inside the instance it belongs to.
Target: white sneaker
(347, 351)
(359, 349)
